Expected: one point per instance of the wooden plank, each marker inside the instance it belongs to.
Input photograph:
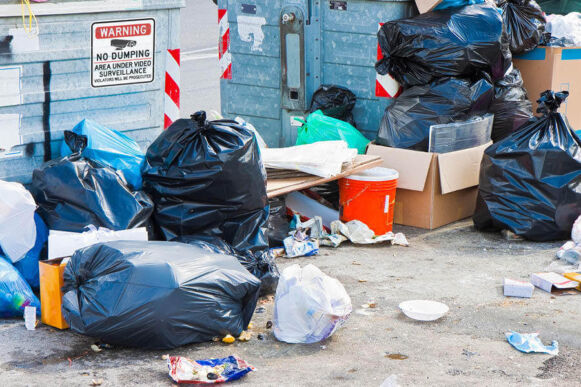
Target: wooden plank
(277, 187)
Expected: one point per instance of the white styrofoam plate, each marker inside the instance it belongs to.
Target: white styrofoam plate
(424, 310)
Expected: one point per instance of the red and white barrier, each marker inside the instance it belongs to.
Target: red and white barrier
(172, 87)
(385, 85)
(224, 56)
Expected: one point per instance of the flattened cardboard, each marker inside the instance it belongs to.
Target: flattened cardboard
(427, 5)
(557, 69)
(421, 199)
(554, 283)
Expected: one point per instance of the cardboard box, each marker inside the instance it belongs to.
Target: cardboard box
(427, 5)
(515, 288)
(553, 283)
(433, 189)
(51, 282)
(557, 69)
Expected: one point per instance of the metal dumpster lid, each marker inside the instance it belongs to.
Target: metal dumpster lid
(68, 7)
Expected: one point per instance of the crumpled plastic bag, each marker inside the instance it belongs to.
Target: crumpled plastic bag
(510, 106)
(17, 226)
(309, 305)
(320, 127)
(524, 21)
(15, 294)
(566, 26)
(106, 146)
(455, 42)
(360, 234)
(529, 181)
(530, 342)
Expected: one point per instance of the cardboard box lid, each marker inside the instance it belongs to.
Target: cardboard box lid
(460, 169)
(427, 5)
(413, 166)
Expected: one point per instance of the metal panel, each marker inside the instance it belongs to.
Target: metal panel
(65, 49)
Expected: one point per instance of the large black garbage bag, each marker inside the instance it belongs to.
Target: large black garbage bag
(524, 22)
(455, 42)
(261, 264)
(510, 106)
(207, 178)
(74, 192)
(530, 182)
(157, 295)
(406, 122)
(335, 101)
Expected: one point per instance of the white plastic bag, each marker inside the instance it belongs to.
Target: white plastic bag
(565, 26)
(309, 305)
(17, 227)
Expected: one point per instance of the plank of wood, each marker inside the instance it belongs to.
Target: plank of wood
(277, 187)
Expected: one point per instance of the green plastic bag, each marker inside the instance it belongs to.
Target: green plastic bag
(320, 127)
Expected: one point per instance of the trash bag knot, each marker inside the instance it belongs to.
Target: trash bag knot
(550, 101)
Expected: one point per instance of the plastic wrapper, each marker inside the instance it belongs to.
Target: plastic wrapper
(15, 294)
(207, 371)
(460, 135)
(525, 22)
(157, 295)
(309, 305)
(207, 179)
(28, 266)
(334, 101)
(444, 44)
(17, 228)
(529, 182)
(320, 127)
(74, 192)
(566, 26)
(108, 147)
(278, 223)
(407, 121)
(530, 342)
(510, 106)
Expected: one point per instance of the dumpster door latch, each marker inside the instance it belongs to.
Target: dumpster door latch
(292, 54)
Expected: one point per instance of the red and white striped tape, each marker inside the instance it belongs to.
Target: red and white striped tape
(385, 85)
(224, 56)
(172, 87)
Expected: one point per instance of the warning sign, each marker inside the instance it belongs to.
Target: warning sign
(122, 52)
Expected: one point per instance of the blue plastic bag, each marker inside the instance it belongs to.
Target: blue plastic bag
(15, 294)
(28, 266)
(456, 3)
(106, 146)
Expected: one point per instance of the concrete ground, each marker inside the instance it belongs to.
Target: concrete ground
(455, 265)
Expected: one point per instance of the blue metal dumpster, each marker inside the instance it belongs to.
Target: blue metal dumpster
(99, 59)
(275, 53)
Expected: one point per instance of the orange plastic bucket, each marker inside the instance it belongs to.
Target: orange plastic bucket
(369, 197)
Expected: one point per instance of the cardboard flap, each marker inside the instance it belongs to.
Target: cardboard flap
(460, 169)
(413, 166)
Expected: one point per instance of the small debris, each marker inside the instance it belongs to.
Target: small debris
(250, 325)
(215, 339)
(468, 354)
(95, 348)
(164, 357)
(356, 263)
(260, 309)
(260, 336)
(245, 336)
(323, 347)
(268, 324)
(362, 280)
(96, 382)
(396, 356)
(228, 339)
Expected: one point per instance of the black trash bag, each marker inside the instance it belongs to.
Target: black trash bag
(207, 178)
(406, 122)
(510, 106)
(530, 182)
(278, 222)
(261, 264)
(456, 42)
(157, 295)
(524, 22)
(335, 101)
(73, 192)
